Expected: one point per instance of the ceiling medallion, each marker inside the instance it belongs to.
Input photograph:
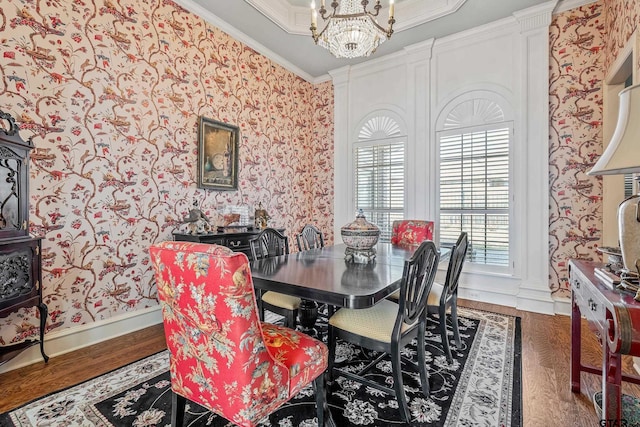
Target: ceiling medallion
(351, 30)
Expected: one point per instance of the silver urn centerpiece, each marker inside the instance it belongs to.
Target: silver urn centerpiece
(360, 236)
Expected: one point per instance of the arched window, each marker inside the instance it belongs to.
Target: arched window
(379, 164)
(474, 170)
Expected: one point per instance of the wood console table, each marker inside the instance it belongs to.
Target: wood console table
(614, 316)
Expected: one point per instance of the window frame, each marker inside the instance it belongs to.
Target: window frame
(472, 267)
(377, 142)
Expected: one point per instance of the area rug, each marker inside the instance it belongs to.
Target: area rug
(481, 387)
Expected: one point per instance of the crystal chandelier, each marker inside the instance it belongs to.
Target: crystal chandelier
(351, 30)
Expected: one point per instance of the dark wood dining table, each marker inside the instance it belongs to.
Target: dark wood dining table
(323, 275)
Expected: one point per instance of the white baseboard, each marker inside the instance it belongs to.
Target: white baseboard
(64, 341)
(563, 306)
(487, 296)
(536, 299)
(526, 300)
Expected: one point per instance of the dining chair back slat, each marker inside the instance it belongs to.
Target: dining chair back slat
(310, 238)
(445, 297)
(419, 273)
(458, 255)
(268, 243)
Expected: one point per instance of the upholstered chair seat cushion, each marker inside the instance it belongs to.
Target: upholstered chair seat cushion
(375, 322)
(281, 300)
(435, 294)
(305, 357)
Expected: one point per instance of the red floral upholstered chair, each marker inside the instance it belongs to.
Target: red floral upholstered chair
(222, 357)
(411, 232)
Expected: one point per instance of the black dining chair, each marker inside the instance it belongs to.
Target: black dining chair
(445, 297)
(388, 327)
(310, 238)
(269, 243)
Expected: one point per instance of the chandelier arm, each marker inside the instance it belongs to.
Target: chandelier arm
(377, 7)
(323, 13)
(316, 36)
(389, 30)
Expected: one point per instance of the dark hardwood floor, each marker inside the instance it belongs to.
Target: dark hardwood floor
(546, 348)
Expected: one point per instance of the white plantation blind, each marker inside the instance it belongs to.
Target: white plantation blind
(628, 185)
(380, 183)
(474, 191)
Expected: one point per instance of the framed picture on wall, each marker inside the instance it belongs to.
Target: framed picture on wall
(217, 155)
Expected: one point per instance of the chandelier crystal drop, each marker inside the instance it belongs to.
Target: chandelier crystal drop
(351, 30)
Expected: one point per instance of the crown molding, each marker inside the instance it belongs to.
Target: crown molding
(214, 20)
(565, 5)
(535, 17)
(409, 13)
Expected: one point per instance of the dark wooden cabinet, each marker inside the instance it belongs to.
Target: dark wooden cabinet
(20, 254)
(237, 241)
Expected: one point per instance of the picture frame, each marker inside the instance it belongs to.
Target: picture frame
(217, 155)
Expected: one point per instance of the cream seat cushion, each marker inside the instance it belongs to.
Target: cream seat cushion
(281, 300)
(434, 295)
(374, 322)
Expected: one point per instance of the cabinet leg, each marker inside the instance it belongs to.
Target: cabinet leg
(611, 388)
(44, 312)
(575, 346)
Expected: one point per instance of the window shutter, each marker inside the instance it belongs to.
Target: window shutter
(628, 185)
(474, 192)
(380, 183)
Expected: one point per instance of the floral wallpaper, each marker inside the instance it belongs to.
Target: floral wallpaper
(575, 142)
(111, 92)
(621, 20)
(585, 42)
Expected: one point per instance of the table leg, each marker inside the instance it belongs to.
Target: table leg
(308, 313)
(575, 345)
(611, 389)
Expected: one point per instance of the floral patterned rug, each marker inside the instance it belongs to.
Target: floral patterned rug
(481, 387)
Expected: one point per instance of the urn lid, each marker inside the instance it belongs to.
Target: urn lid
(360, 224)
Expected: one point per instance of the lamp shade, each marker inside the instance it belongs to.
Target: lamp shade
(623, 152)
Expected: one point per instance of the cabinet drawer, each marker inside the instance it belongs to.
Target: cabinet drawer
(592, 305)
(214, 241)
(237, 243)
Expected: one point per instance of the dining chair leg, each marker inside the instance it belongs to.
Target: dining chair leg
(291, 318)
(330, 310)
(318, 385)
(331, 343)
(398, 386)
(178, 405)
(260, 304)
(454, 322)
(442, 318)
(422, 360)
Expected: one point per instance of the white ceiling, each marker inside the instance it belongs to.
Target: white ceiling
(271, 30)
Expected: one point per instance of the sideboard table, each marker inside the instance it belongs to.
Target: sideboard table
(235, 240)
(614, 316)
